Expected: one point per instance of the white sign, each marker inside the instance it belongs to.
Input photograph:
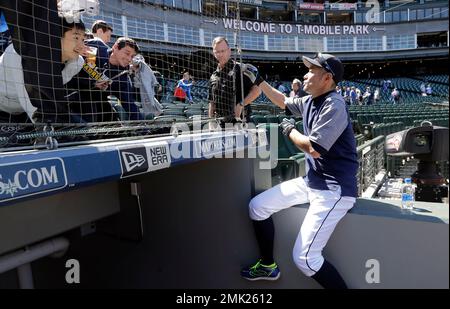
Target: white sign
(140, 159)
(343, 6)
(253, 2)
(263, 27)
(27, 178)
(312, 6)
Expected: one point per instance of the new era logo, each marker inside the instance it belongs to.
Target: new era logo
(133, 161)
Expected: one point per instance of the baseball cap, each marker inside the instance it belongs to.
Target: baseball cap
(329, 63)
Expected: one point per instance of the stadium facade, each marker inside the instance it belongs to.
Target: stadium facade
(389, 38)
(358, 32)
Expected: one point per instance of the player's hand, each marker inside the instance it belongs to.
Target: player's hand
(252, 73)
(287, 125)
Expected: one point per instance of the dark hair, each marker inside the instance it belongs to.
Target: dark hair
(122, 42)
(88, 35)
(67, 27)
(101, 24)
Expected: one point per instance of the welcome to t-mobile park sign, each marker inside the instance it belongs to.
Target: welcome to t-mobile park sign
(262, 27)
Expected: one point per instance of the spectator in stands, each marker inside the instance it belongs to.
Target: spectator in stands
(376, 95)
(282, 88)
(385, 86)
(120, 58)
(342, 91)
(72, 49)
(353, 96)
(36, 36)
(395, 96)
(368, 96)
(102, 32)
(186, 84)
(225, 93)
(429, 90)
(338, 90)
(330, 186)
(359, 97)
(179, 94)
(106, 78)
(423, 89)
(297, 89)
(87, 102)
(389, 83)
(346, 95)
(15, 105)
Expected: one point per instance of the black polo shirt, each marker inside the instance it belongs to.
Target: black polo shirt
(225, 90)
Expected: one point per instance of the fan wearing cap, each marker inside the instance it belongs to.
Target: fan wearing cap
(330, 185)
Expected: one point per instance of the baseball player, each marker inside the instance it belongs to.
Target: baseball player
(329, 186)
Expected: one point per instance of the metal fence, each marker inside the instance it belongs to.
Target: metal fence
(371, 158)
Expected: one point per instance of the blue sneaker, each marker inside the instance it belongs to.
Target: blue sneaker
(261, 272)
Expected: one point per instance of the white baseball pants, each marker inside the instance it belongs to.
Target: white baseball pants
(327, 207)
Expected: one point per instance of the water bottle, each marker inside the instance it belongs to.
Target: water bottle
(407, 195)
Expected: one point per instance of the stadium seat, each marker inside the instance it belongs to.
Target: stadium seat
(258, 119)
(271, 119)
(290, 161)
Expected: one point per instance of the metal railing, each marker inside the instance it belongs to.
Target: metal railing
(371, 158)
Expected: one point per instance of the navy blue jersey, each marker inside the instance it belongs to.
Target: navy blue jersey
(327, 124)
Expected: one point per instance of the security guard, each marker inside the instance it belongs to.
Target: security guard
(225, 93)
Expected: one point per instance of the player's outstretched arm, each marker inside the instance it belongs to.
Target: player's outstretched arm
(273, 94)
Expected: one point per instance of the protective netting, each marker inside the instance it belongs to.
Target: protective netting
(87, 69)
